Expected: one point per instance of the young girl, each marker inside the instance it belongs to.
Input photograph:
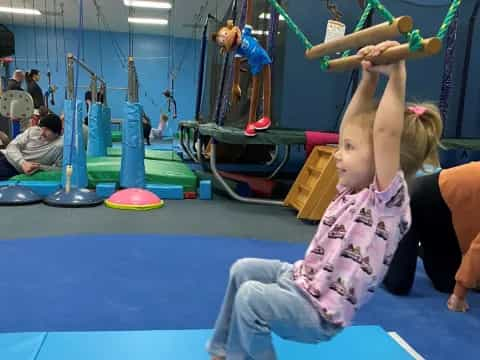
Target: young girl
(314, 299)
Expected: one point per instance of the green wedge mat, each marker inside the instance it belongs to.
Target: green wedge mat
(149, 154)
(107, 169)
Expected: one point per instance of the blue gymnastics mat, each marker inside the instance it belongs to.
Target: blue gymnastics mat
(358, 342)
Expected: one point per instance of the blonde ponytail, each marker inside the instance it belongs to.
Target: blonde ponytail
(421, 137)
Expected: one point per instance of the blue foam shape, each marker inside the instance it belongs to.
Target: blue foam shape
(96, 131)
(105, 190)
(205, 190)
(20, 346)
(43, 188)
(132, 168)
(8, 183)
(358, 342)
(167, 192)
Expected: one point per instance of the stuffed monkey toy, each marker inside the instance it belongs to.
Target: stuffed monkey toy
(231, 38)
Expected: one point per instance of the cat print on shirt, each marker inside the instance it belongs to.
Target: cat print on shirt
(339, 287)
(319, 250)
(397, 199)
(329, 220)
(381, 231)
(403, 227)
(365, 217)
(338, 232)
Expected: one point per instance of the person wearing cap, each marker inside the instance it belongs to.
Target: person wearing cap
(15, 83)
(38, 148)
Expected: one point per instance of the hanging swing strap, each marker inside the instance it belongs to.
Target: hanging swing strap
(55, 33)
(46, 36)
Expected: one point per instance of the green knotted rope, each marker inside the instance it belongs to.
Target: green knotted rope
(291, 24)
(325, 63)
(414, 40)
(382, 10)
(360, 25)
(448, 19)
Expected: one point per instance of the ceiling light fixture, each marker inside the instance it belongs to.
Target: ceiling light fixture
(147, 21)
(12, 10)
(267, 16)
(148, 4)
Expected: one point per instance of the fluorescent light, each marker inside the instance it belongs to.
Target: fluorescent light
(267, 16)
(148, 4)
(12, 10)
(148, 21)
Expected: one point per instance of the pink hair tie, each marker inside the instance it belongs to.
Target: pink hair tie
(417, 110)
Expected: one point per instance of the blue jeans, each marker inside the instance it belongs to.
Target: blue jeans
(261, 297)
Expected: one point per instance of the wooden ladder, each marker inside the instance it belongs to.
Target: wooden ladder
(315, 186)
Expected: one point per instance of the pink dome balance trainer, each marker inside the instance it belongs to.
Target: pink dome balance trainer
(134, 199)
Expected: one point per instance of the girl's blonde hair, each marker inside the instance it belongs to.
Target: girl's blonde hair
(421, 135)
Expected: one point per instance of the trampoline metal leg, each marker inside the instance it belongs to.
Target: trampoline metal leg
(182, 141)
(185, 147)
(232, 193)
(191, 144)
(286, 156)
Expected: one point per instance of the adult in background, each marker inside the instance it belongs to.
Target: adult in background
(32, 78)
(445, 222)
(37, 148)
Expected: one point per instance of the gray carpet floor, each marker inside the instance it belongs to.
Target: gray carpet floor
(219, 217)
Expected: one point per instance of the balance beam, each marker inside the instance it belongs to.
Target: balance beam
(431, 46)
(369, 36)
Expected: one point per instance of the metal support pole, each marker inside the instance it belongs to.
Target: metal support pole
(132, 81)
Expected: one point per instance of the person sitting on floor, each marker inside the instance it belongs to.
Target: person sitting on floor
(38, 148)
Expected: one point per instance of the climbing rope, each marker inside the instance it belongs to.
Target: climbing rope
(35, 47)
(77, 71)
(12, 22)
(442, 32)
(361, 24)
(291, 24)
(27, 63)
(377, 5)
(46, 36)
(55, 33)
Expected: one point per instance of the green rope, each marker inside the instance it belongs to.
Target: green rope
(325, 63)
(291, 24)
(382, 10)
(414, 40)
(448, 19)
(360, 25)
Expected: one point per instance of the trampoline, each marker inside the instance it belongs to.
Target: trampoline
(107, 170)
(276, 136)
(461, 144)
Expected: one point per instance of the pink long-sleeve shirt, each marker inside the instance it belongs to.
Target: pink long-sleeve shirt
(352, 249)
